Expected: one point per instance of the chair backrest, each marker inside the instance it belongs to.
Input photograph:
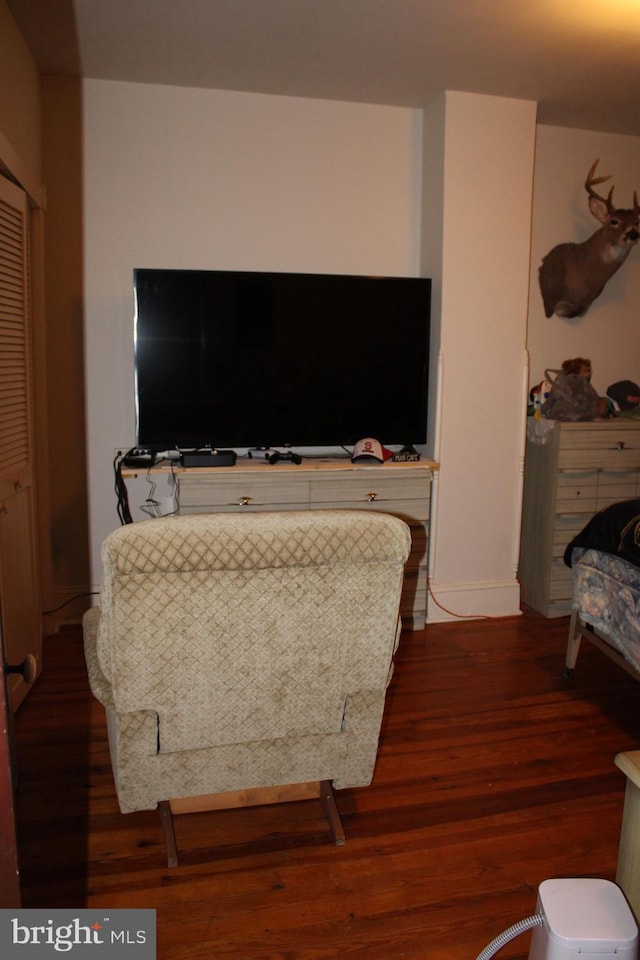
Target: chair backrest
(241, 627)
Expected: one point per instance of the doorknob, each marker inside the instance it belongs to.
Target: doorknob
(27, 669)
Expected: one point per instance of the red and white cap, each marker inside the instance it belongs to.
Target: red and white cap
(370, 450)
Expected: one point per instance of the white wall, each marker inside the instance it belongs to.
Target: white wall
(431, 251)
(483, 221)
(208, 179)
(609, 333)
(192, 178)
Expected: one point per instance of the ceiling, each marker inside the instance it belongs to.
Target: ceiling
(578, 59)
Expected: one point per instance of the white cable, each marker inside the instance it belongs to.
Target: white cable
(510, 934)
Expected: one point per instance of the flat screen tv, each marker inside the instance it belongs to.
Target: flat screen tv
(243, 359)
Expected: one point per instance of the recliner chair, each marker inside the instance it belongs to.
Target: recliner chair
(235, 653)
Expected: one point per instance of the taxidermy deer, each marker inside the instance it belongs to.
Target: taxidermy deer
(572, 275)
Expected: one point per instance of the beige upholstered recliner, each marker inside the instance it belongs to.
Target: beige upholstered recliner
(236, 652)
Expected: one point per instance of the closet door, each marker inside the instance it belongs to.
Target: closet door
(19, 589)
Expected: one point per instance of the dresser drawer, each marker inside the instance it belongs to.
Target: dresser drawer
(559, 608)
(255, 493)
(561, 586)
(413, 603)
(610, 445)
(566, 527)
(577, 490)
(406, 497)
(614, 486)
(419, 542)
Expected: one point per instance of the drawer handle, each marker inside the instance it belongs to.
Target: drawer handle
(620, 445)
(243, 502)
(372, 496)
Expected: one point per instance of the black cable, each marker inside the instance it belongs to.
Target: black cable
(78, 596)
(122, 494)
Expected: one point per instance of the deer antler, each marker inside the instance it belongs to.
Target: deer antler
(591, 181)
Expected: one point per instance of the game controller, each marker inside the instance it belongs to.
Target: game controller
(291, 457)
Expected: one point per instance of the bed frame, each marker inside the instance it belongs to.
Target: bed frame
(579, 630)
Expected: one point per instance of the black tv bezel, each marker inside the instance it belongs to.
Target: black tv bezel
(338, 440)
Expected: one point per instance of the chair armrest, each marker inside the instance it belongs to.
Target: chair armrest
(100, 686)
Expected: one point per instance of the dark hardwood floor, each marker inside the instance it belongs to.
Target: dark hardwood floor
(494, 774)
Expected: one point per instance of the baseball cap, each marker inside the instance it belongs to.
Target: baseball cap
(370, 450)
(626, 394)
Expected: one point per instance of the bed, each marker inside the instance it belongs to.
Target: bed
(605, 563)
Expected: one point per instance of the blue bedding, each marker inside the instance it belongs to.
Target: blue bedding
(606, 594)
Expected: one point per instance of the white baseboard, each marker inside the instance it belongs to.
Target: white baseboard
(473, 600)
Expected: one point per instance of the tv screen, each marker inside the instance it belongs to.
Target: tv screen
(244, 359)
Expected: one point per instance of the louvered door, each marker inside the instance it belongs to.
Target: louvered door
(19, 594)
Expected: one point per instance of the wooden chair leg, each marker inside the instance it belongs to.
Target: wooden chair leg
(169, 833)
(323, 789)
(573, 643)
(331, 812)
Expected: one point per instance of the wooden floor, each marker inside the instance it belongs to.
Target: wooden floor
(494, 774)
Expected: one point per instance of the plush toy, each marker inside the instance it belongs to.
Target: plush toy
(579, 365)
(537, 396)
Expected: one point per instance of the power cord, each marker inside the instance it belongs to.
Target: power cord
(151, 506)
(122, 494)
(458, 616)
(78, 596)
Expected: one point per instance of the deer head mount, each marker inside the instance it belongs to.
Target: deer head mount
(572, 275)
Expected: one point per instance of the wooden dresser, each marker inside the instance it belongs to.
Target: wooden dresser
(401, 489)
(572, 470)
